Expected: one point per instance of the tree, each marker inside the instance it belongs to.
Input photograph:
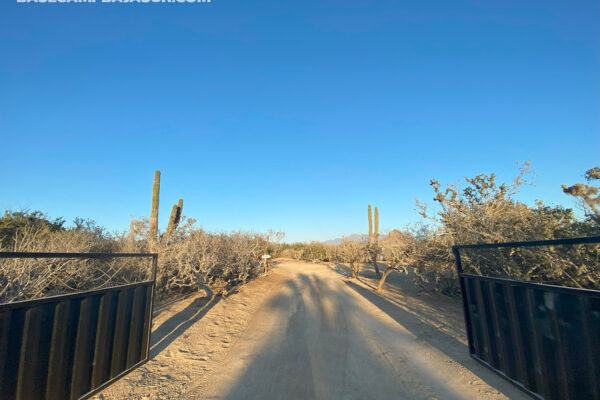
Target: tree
(398, 250)
(353, 252)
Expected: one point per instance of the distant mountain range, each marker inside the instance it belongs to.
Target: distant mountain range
(355, 237)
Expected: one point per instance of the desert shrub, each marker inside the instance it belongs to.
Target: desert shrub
(191, 258)
(313, 252)
(188, 259)
(398, 250)
(434, 262)
(294, 254)
(485, 211)
(354, 253)
(30, 278)
(195, 258)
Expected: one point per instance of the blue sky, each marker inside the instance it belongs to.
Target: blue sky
(290, 115)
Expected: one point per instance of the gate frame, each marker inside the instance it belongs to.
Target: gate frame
(85, 293)
(534, 243)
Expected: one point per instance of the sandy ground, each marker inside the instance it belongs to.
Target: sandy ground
(306, 331)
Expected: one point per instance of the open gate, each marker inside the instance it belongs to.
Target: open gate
(543, 338)
(74, 345)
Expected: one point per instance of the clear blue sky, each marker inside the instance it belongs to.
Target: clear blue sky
(291, 115)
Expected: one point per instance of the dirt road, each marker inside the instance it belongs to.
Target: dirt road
(305, 331)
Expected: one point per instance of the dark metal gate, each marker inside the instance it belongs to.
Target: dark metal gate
(72, 346)
(543, 338)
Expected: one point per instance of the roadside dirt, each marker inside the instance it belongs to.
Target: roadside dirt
(306, 331)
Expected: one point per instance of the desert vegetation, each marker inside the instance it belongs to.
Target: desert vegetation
(487, 211)
(373, 247)
(190, 258)
(482, 210)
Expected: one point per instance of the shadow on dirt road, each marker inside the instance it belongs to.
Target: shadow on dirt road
(177, 324)
(433, 336)
(322, 337)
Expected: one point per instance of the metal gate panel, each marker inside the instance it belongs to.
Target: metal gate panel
(72, 346)
(543, 338)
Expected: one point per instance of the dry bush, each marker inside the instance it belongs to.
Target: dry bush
(192, 258)
(314, 252)
(188, 259)
(487, 212)
(434, 263)
(571, 265)
(294, 254)
(398, 251)
(196, 258)
(22, 279)
(354, 253)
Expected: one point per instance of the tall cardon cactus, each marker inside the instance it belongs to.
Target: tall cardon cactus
(154, 213)
(374, 240)
(175, 218)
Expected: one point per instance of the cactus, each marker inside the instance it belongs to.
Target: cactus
(370, 224)
(154, 213)
(376, 233)
(373, 240)
(174, 218)
(171, 227)
(179, 212)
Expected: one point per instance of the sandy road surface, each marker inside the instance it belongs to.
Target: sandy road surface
(307, 332)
